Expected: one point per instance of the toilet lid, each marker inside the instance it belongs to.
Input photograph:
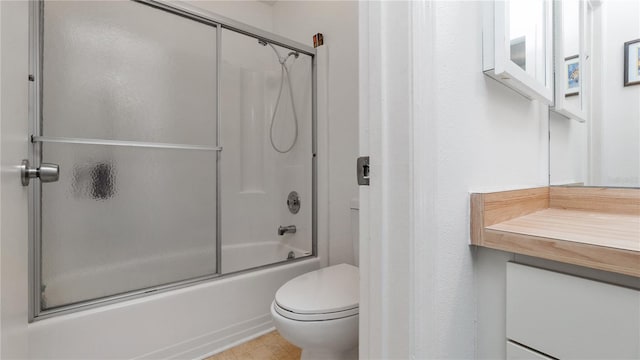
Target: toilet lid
(331, 289)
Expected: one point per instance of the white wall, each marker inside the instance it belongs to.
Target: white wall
(488, 136)
(13, 196)
(338, 22)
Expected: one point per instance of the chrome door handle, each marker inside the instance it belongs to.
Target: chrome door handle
(46, 172)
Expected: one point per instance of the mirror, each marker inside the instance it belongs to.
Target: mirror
(604, 150)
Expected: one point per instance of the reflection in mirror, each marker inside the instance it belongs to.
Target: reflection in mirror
(527, 37)
(604, 150)
(572, 58)
(571, 84)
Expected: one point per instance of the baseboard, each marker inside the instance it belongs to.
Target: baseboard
(214, 342)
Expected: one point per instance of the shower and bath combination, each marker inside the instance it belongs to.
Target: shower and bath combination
(106, 231)
(284, 71)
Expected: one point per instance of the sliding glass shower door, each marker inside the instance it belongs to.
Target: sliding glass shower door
(266, 123)
(128, 110)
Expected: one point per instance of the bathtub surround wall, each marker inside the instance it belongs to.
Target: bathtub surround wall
(430, 294)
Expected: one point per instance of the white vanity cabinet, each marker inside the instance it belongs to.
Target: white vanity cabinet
(518, 46)
(555, 315)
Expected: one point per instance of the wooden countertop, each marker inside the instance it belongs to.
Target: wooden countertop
(601, 230)
(619, 231)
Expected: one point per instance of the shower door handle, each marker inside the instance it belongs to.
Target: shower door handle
(46, 172)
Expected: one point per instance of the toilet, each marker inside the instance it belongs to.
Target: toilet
(318, 311)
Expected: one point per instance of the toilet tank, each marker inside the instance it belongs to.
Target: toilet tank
(355, 229)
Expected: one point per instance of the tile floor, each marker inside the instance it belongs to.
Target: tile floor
(270, 346)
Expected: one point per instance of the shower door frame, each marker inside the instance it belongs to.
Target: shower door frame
(36, 20)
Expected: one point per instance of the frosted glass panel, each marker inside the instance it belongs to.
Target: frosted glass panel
(123, 218)
(127, 71)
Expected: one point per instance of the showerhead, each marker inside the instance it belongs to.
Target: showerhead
(262, 42)
(294, 53)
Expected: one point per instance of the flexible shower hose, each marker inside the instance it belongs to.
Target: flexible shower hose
(284, 71)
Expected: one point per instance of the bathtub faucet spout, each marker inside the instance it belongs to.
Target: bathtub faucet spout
(286, 229)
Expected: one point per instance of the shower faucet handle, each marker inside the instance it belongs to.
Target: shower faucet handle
(286, 229)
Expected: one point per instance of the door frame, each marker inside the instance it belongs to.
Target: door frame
(397, 215)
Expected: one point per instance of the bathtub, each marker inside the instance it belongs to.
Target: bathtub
(188, 322)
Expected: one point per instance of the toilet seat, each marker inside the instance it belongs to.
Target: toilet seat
(315, 317)
(326, 294)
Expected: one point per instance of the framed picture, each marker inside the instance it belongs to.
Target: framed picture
(632, 62)
(572, 83)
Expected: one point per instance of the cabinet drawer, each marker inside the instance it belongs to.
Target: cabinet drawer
(570, 317)
(517, 352)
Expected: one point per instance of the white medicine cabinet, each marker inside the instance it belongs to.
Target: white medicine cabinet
(572, 58)
(518, 46)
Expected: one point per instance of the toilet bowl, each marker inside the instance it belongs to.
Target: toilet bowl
(318, 312)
